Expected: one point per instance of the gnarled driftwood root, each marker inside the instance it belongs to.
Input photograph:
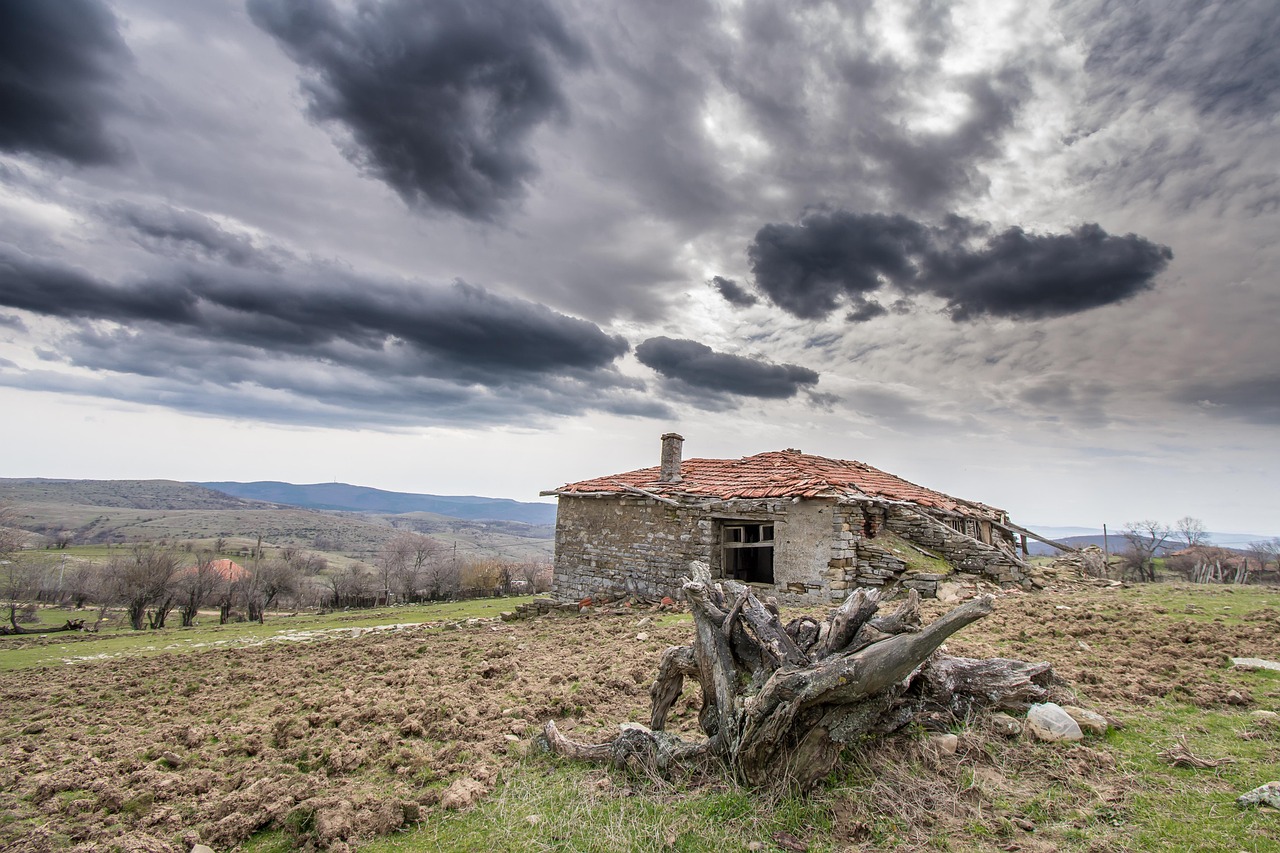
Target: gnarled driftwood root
(780, 702)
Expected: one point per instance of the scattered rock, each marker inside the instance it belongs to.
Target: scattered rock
(1088, 721)
(201, 848)
(1003, 724)
(668, 601)
(946, 743)
(1235, 697)
(34, 729)
(642, 636)
(787, 841)
(1263, 795)
(507, 616)
(1264, 715)
(462, 793)
(1048, 722)
(1254, 664)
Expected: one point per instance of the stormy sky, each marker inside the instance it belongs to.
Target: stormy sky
(1020, 252)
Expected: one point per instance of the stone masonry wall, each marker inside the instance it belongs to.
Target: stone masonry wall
(624, 545)
(634, 545)
(964, 552)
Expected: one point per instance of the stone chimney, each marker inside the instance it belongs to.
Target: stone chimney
(671, 443)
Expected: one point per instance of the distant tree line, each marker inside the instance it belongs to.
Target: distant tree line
(1189, 555)
(152, 581)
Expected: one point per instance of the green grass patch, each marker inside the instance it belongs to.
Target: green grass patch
(545, 805)
(57, 649)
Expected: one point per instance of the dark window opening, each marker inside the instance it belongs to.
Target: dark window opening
(871, 521)
(748, 552)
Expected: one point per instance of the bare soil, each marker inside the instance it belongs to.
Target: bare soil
(353, 737)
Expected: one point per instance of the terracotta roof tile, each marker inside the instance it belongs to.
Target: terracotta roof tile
(778, 474)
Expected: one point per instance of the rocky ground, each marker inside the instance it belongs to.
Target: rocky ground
(355, 736)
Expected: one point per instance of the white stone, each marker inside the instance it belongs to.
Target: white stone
(1254, 664)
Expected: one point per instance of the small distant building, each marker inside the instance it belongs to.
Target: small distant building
(229, 570)
(807, 528)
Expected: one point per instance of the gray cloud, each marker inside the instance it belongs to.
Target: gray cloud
(810, 268)
(701, 367)
(459, 332)
(439, 99)
(1255, 399)
(1223, 54)
(733, 293)
(183, 234)
(60, 62)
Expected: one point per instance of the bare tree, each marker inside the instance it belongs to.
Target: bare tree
(264, 584)
(142, 580)
(389, 563)
(1144, 539)
(195, 585)
(351, 586)
(415, 562)
(1191, 531)
(19, 577)
(536, 575)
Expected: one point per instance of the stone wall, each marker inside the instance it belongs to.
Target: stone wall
(964, 552)
(626, 545)
(823, 550)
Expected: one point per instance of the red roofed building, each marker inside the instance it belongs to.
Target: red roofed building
(230, 570)
(811, 528)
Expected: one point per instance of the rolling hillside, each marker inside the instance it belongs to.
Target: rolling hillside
(344, 497)
(104, 512)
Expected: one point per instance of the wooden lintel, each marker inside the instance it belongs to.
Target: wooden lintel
(647, 494)
(1013, 528)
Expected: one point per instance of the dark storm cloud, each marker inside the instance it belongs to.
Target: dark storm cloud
(439, 98)
(829, 258)
(1033, 276)
(807, 269)
(734, 293)
(701, 367)
(58, 62)
(459, 332)
(1224, 55)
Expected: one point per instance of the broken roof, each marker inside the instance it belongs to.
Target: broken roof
(778, 474)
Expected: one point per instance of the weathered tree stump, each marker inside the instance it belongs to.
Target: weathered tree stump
(779, 703)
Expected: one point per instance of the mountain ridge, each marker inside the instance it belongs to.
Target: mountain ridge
(344, 497)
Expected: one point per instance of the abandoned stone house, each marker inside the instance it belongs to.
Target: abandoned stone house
(807, 528)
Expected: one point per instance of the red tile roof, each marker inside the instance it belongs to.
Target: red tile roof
(779, 474)
(229, 569)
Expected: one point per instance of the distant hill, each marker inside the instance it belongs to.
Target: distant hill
(344, 497)
(123, 494)
(1236, 541)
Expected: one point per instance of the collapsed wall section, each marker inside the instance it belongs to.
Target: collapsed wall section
(964, 552)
